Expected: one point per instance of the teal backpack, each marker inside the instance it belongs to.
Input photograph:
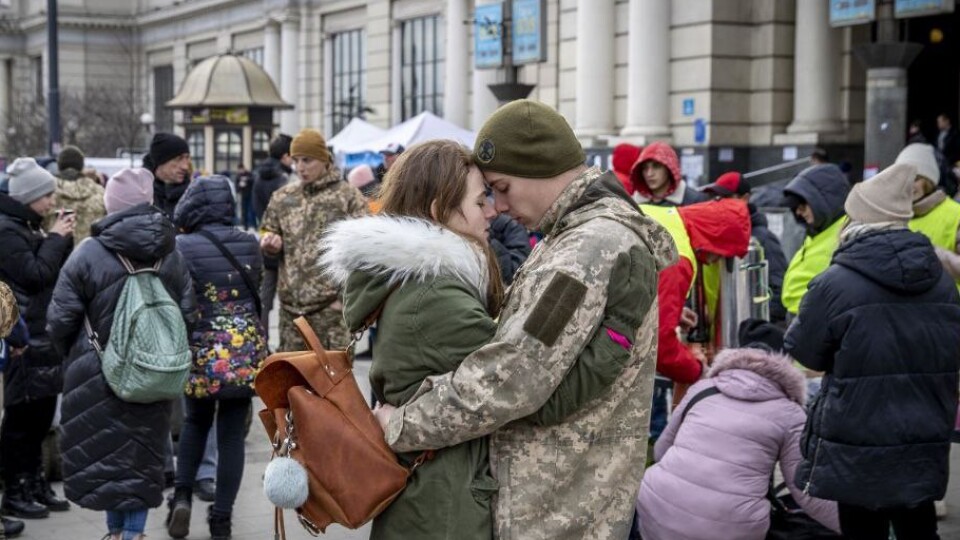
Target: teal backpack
(148, 357)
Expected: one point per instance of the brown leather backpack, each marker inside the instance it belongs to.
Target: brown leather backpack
(316, 414)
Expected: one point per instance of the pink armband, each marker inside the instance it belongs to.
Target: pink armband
(619, 339)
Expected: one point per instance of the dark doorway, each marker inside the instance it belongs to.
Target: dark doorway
(934, 77)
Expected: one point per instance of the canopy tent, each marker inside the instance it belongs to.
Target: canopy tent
(357, 131)
(423, 127)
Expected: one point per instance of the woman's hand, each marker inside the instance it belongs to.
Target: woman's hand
(383, 412)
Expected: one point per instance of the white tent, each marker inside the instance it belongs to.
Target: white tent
(354, 133)
(423, 127)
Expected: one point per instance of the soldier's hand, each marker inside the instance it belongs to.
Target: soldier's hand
(383, 412)
(271, 243)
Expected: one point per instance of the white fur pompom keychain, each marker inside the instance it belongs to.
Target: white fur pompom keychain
(285, 483)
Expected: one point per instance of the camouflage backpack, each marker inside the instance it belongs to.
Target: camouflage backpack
(147, 357)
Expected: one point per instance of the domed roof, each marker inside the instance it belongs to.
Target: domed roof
(228, 80)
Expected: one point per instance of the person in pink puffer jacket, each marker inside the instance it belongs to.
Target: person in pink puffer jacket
(713, 470)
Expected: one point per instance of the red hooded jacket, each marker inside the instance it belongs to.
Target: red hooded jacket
(624, 156)
(717, 227)
(663, 154)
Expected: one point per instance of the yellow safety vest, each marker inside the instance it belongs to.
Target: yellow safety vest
(940, 225)
(670, 219)
(813, 257)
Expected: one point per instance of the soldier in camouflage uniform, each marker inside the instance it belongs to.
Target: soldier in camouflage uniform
(597, 264)
(77, 192)
(294, 221)
(9, 311)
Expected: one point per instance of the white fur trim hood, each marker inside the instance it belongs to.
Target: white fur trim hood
(404, 249)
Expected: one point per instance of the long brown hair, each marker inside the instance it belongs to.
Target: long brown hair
(434, 174)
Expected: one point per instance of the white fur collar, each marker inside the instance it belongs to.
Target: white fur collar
(403, 248)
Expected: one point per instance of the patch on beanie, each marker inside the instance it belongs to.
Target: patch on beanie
(486, 151)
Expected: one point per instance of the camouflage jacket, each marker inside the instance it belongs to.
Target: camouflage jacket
(596, 269)
(300, 213)
(81, 194)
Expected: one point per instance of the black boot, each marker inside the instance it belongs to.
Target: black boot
(178, 520)
(11, 527)
(18, 501)
(219, 524)
(44, 494)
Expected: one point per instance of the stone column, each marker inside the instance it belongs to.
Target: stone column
(648, 74)
(271, 51)
(816, 64)
(484, 102)
(595, 55)
(4, 96)
(289, 73)
(456, 63)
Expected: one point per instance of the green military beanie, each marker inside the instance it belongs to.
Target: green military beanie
(527, 139)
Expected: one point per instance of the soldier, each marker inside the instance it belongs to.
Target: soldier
(76, 192)
(293, 223)
(600, 256)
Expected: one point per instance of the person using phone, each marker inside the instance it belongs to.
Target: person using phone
(30, 265)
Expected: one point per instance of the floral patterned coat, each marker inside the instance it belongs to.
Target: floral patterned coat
(228, 342)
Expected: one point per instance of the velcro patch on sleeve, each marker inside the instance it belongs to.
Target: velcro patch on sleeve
(555, 309)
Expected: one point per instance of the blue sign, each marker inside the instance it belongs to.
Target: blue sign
(699, 131)
(529, 31)
(688, 107)
(488, 36)
(916, 8)
(848, 12)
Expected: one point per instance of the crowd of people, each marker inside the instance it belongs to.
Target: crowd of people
(551, 330)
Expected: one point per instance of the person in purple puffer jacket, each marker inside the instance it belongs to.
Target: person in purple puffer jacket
(713, 471)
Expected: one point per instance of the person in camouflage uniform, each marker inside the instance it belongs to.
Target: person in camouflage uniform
(77, 192)
(294, 221)
(595, 270)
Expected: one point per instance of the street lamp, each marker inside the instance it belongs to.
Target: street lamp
(146, 119)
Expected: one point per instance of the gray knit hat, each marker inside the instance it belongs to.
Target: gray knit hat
(29, 181)
(885, 197)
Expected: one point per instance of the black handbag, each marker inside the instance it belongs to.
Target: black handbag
(789, 522)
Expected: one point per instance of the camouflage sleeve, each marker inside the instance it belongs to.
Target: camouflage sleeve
(630, 294)
(357, 205)
(271, 217)
(554, 311)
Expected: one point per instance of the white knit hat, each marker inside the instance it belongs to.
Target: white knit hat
(885, 197)
(921, 156)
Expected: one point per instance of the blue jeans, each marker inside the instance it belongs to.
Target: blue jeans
(131, 523)
(659, 411)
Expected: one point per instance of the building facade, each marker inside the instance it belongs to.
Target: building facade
(736, 84)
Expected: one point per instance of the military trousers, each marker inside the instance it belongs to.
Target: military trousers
(327, 323)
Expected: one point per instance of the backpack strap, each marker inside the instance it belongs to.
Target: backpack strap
(703, 394)
(236, 264)
(132, 270)
(92, 336)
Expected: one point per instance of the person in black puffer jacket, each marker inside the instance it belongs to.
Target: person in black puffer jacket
(113, 449)
(30, 264)
(272, 174)
(227, 343)
(883, 323)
